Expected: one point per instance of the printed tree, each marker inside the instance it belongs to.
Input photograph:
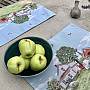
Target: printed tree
(23, 18)
(53, 85)
(20, 19)
(66, 54)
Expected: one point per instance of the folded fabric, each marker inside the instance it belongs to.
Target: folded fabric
(59, 76)
(20, 17)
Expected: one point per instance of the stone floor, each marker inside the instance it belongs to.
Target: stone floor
(45, 30)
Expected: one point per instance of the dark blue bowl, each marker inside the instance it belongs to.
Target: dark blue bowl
(13, 50)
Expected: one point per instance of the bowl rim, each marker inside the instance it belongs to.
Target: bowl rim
(19, 40)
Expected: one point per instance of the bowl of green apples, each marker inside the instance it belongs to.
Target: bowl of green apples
(28, 56)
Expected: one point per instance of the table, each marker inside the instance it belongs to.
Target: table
(45, 30)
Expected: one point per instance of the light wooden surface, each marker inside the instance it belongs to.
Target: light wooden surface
(45, 30)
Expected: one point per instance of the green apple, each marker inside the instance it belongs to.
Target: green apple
(40, 49)
(16, 64)
(27, 48)
(38, 62)
(27, 62)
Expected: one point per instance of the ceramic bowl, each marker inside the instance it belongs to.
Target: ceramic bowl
(13, 50)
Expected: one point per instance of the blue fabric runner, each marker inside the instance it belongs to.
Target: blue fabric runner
(71, 36)
(10, 30)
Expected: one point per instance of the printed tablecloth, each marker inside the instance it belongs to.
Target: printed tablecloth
(20, 17)
(63, 73)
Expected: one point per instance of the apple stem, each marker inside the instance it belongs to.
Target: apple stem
(40, 59)
(28, 42)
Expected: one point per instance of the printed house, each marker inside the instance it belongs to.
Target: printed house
(66, 72)
(86, 52)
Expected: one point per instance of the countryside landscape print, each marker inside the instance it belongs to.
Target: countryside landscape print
(70, 66)
(20, 17)
(18, 12)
